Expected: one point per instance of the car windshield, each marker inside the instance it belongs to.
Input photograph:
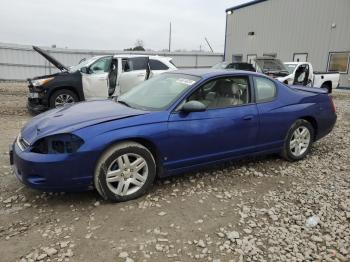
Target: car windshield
(83, 63)
(271, 65)
(158, 92)
(290, 67)
(221, 65)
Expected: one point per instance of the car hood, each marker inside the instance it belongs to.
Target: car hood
(50, 58)
(73, 117)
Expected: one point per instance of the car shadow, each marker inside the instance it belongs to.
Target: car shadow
(163, 184)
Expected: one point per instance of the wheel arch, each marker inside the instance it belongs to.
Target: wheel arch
(312, 120)
(147, 143)
(328, 85)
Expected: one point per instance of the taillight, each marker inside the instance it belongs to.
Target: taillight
(332, 103)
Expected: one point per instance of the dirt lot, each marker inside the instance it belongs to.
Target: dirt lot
(251, 210)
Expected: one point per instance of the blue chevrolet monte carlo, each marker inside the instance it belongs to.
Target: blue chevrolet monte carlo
(170, 124)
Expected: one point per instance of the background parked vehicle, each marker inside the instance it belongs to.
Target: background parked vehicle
(94, 78)
(236, 66)
(173, 123)
(270, 66)
(302, 73)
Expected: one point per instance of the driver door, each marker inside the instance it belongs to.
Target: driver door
(134, 71)
(95, 80)
(227, 128)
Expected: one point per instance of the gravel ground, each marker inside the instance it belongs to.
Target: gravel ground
(259, 209)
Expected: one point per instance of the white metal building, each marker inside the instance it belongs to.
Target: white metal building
(317, 31)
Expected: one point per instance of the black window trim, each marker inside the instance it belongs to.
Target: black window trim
(329, 60)
(250, 90)
(265, 100)
(300, 53)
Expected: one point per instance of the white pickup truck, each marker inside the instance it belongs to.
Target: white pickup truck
(301, 73)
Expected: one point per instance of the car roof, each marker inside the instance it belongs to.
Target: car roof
(150, 56)
(211, 72)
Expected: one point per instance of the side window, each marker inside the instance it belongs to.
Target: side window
(223, 92)
(265, 89)
(157, 65)
(101, 65)
(134, 63)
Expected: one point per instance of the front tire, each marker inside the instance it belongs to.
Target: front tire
(298, 141)
(125, 171)
(62, 97)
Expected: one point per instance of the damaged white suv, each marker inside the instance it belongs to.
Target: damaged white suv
(94, 78)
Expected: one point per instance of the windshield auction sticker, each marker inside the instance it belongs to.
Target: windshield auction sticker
(185, 81)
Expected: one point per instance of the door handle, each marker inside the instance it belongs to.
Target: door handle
(249, 117)
(142, 74)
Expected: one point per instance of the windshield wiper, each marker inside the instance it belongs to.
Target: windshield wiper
(124, 103)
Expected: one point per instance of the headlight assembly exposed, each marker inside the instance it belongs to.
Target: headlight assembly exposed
(40, 82)
(58, 144)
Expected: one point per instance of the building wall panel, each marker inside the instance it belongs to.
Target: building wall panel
(286, 27)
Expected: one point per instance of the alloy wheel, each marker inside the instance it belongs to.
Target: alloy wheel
(63, 99)
(127, 174)
(300, 141)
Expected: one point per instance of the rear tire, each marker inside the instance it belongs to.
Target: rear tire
(63, 97)
(125, 171)
(327, 86)
(298, 141)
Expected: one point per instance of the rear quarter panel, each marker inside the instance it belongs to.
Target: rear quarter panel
(276, 117)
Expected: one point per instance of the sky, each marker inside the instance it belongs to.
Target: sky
(115, 24)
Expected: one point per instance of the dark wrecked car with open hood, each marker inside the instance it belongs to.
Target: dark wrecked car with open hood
(99, 77)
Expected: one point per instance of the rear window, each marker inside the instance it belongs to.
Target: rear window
(265, 89)
(157, 65)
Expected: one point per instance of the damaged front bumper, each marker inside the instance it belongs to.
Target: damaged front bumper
(37, 99)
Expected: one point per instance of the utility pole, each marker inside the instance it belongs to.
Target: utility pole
(170, 38)
(206, 40)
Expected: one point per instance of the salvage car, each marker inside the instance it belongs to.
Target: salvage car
(235, 66)
(99, 77)
(271, 66)
(302, 73)
(173, 123)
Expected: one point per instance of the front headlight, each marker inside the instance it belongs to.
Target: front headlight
(40, 82)
(58, 144)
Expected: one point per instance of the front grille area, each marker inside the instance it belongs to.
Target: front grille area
(22, 143)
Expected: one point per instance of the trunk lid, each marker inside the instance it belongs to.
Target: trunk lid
(311, 89)
(50, 58)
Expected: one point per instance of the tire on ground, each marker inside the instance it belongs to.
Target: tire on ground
(109, 156)
(286, 151)
(61, 92)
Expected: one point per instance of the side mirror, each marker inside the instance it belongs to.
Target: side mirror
(193, 106)
(85, 70)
